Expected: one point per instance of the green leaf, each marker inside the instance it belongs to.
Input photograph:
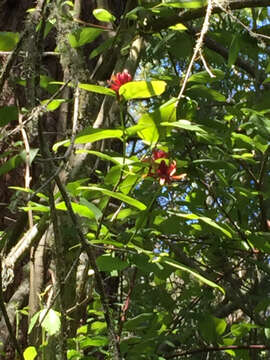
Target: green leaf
(8, 40)
(201, 91)
(211, 327)
(150, 123)
(97, 89)
(241, 329)
(103, 15)
(184, 4)
(33, 322)
(53, 104)
(234, 50)
(110, 263)
(142, 89)
(184, 124)
(102, 48)
(30, 353)
(51, 323)
(196, 275)
(79, 209)
(90, 135)
(203, 77)
(8, 114)
(100, 155)
(139, 321)
(16, 160)
(83, 36)
(133, 202)
(206, 220)
(178, 27)
(93, 341)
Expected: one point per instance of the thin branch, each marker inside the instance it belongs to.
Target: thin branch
(198, 47)
(27, 176)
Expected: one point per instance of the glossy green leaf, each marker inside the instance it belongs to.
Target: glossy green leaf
(142, 89)
(8, 40)
(151, 122)
(184, 124)
(196, 275)
(8, 114)
(203, 77)
(53, 104)
(110, 263)
(50, 321)
(30, 353)
(83, 36)
(79, 209)
(133, 202)
(97, 89)
(103, 15)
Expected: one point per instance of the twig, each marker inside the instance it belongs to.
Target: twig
(27, 177)
(205, 65)
(197, 49)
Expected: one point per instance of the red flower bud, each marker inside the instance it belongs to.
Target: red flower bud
(119, 79)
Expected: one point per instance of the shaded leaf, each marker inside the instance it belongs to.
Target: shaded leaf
(199, 277)
(110, 263)
(127, 199)
(8, 40)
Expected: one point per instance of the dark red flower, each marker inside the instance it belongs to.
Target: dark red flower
(166, 173)
(119, 79)
(163, 170)
(159, 154)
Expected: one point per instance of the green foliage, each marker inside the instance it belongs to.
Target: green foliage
(8, 40)
(168, 188)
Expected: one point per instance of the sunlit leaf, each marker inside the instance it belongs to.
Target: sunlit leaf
(97, 89)
(142, 89)
(50, 321)
(83, 36)
(103, 15)
(30, 353)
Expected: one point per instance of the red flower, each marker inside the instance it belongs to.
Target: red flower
(165, 173)
(159, 154)
(119, 79)
(164, 170)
